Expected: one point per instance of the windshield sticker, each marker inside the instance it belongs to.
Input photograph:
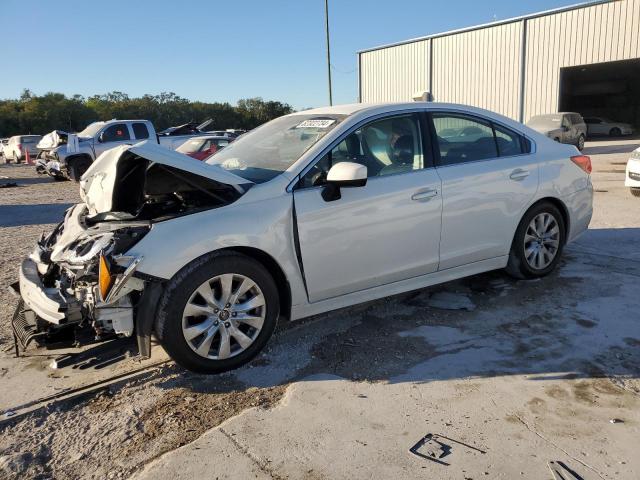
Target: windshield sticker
(315, 124)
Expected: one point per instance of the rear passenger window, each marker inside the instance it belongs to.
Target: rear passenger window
(140, 131)
(509, 143)
(463, 139)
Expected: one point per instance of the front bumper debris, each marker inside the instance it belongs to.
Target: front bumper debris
(47, 303)
(24, 326)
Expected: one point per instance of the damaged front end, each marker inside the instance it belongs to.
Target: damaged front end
(79, 285)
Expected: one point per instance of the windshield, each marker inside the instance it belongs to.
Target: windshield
(552, 121)
(91, 129)
(269, 150)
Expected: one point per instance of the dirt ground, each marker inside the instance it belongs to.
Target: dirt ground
(508, 375)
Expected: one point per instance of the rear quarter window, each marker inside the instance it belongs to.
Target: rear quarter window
(140, 131)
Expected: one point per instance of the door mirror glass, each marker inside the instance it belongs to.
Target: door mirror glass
(341, 175)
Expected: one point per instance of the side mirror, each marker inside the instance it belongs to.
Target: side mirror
(101, 137)
(343, 175)
(565, 128)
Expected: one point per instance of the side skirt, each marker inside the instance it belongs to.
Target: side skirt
(416, 283)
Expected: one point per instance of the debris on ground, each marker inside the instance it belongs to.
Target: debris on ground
(561, 472)
(451, 301)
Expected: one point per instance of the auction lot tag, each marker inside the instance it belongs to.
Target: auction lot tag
(315, 123)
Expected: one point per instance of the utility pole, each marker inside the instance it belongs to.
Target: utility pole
(326, 18)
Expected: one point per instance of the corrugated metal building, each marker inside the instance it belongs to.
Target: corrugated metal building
(583, 58)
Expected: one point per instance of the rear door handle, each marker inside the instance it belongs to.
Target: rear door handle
(424, 194)
(519, 174)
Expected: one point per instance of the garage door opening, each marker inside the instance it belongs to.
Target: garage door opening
(610, 90)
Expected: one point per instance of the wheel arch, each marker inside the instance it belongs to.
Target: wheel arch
(267, 261)
(559, 204)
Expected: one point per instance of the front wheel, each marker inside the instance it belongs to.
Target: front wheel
(538, 242)
(580, 144)
(635, 192)
(615, 132)
(218, 312)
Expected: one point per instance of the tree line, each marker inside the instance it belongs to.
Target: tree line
(40, 114)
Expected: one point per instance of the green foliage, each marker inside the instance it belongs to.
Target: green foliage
(33, 114)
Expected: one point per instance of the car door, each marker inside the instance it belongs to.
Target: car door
(112, 136)
(386, 231)
(566, 136)
(487, 183)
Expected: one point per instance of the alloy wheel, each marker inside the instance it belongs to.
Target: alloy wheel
(223, 316)
(541, 241)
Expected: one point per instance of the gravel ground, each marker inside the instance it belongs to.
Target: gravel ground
(413, 348)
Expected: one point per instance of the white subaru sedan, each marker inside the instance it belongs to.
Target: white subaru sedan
(632, 173)
(311, 212)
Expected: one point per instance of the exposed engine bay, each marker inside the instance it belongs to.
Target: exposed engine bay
(79, 283)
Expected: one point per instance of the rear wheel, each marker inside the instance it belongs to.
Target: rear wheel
(615, 132)
(218, 313)
(635, 192)
(538, 242)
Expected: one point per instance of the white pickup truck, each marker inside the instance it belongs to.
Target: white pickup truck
(63, 155)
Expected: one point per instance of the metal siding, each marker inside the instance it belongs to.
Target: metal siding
(600, 33)
(395, 74)
(481, 67)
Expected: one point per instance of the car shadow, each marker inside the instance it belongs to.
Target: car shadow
(622, 147)
(577, 323)
(33, 214)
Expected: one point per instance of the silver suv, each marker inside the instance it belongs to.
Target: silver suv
(563, 127)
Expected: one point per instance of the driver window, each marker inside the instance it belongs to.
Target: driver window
(115, 133)
(386, 147)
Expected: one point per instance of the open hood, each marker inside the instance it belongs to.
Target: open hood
(146, 180)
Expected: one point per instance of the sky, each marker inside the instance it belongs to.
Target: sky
(217, 50)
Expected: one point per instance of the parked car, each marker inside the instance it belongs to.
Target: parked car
(173, 137)
(563, 127)
(603, 126)
(64, 155)
(632, 174)
(231, 133)
(17, 147)
(63, 158)
(311, 212)
(204, 146)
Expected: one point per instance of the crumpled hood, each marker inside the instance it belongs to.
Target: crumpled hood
(55, 139)
(52, 140)
(99, 183)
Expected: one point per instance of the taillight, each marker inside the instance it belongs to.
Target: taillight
(583, 161)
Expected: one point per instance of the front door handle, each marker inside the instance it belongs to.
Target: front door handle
(519, 174)
(424, 194)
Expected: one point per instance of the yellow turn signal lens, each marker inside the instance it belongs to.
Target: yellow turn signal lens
(105, 281)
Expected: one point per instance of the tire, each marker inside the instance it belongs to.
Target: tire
(77, 167)
(518, 265)
(580, 143)
(615, 132)
(635, 192)
(174, 322)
